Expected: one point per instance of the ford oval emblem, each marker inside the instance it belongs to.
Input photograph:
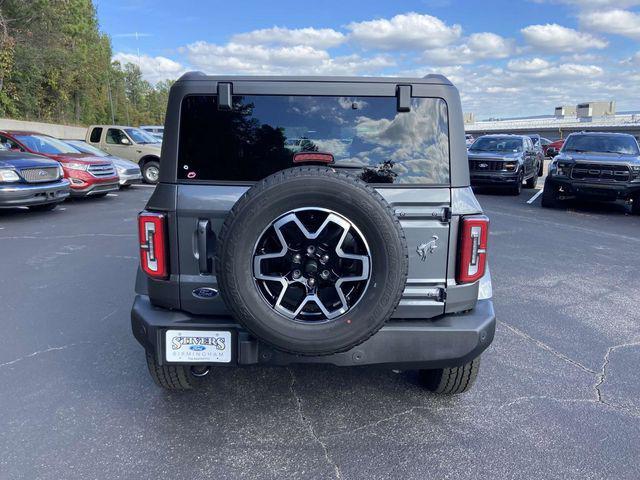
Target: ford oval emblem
(197, 348)
(205, 292)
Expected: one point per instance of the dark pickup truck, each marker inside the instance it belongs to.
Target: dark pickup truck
(504, 161)
(31, 180)
(601, 166)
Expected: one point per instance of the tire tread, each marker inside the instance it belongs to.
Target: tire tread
(453, 380)
(170, 377)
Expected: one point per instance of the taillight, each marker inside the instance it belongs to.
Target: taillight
(152, 236)
(472, 259)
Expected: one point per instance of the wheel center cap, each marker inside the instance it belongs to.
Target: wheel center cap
(311, 267)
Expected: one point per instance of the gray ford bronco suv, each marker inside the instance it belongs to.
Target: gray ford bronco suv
(313, 220)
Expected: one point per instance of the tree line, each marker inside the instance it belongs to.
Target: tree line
(56, 66)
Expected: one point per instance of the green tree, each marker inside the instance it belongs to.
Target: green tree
(55, 65)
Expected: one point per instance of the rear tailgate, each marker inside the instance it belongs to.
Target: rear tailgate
(424, 214)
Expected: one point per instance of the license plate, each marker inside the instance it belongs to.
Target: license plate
(197, 346)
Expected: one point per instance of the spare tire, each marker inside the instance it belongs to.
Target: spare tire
(312, 261)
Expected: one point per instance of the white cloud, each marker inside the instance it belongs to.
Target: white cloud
(538, 67)
(153, 69)
(490, 45)
(501, 90)
(528, 66)
(556, 38)
(633, 59)
(296, 60)
(577, 70)
(314, 37)
(620, 22)
(581, 58)
(476, 47)
(562, 65)
(410, 31)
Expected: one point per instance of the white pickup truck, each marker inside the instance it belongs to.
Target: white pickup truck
(130, 143)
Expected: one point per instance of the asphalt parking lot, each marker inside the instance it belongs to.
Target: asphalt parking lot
(558, 394)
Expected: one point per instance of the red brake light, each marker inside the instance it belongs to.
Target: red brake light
(474, 232)
(152, 236)
(312, 157)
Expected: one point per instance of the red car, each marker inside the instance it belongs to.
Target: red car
(553, 148)
(88, 175)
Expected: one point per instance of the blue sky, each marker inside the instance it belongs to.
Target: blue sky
(508, 58)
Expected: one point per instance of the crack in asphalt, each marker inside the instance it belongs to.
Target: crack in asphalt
(385, 419)
(549, 349)
(307, 422)
(602, 376)
(481, 407)
(108, 315)
(39, 352)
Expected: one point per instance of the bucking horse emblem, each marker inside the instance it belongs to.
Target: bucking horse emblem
(427, 248)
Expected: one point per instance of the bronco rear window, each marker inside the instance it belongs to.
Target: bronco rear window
(260, 135)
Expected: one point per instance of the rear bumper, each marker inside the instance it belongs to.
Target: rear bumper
(21, 194)
(597, 189)
(450, 340)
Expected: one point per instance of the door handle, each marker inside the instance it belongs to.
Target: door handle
(204, 262)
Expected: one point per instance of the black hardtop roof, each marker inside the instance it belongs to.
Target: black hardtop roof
(431, 79)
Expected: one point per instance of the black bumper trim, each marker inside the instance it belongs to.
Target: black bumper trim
(496, 179)
(450, 340)
(596, 189)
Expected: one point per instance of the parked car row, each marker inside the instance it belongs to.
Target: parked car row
(598, 165)
(40, 171)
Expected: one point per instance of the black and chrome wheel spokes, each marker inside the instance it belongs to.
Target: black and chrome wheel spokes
(312, 264)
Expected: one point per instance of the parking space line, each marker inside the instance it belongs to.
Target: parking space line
(143, 186)
(533, 199)
(112, 194)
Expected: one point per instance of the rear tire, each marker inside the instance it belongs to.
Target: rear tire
(451, 381)
(47, 207)
(151, 172)
(541, 168)
(549, 195)
(172, 377)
